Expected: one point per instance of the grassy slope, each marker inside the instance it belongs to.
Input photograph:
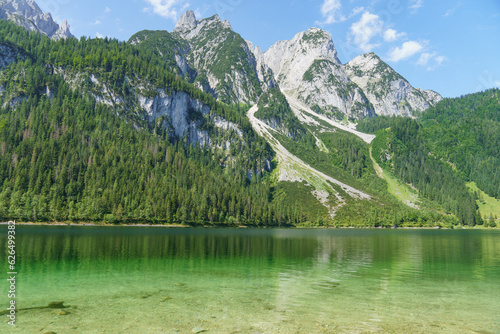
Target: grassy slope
(487, 205)
(402, 192)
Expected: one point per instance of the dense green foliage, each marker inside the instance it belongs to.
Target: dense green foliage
(66, 157)
(161, 43)
(401, 148)
(348, 160)
(461, 134)
(466, 132)
(84, 163)
(112, 61)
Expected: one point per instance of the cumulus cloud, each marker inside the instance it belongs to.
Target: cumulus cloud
(169, 9)
(363, 31)
(406, 50)
(99, 35)
(391, 35)
(107, 10)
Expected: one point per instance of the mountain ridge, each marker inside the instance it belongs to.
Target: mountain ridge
(306, 67)
(27, 13)
(199, 96)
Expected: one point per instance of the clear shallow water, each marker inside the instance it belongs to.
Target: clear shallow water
(147, 280)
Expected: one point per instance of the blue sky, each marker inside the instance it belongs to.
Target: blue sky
(450, 46)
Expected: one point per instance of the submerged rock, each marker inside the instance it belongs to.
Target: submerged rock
(56, 305)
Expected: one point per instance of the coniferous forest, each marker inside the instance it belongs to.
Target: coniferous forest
(450, 144)
(66, 156)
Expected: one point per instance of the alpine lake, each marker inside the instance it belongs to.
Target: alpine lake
(183, 280)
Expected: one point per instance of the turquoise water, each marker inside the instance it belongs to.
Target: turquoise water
(158, 280)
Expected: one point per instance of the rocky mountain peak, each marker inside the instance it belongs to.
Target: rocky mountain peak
(388, 91)
(299, 53)
(368, 62)
(308, 68)
(27, 13)
(187, 22)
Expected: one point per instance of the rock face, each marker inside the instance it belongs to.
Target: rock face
(176, 110)
(307, 67)
(8, 55)
(27, 14)
(217, 60)
(389, 92)
(213, 57)
(186, 23)
(223, 61)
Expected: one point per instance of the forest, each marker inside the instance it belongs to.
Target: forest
(64, 156)
(67, 157)
(455, 142)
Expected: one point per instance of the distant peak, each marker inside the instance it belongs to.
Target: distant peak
(314, 29)
(318, 32)
(373, 55)
(27, 13)
(187, 22)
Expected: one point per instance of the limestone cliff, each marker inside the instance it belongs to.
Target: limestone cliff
(27, 14)
(307, 67)
(389, 92)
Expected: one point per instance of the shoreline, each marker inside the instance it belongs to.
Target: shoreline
(92, 224)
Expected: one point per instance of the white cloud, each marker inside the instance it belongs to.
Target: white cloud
(440, 59)
(356, 11)
(365, 30)
(331, 10)
(107, 10)
(424, 58)
(452, 10)
(97, 22)
(430, 60)
(99, 35)
(391, 35)
(415, 5)
(407, 50)
(167, 8)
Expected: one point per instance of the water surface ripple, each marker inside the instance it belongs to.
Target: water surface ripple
(145, 280)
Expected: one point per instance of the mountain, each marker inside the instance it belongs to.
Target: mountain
(389, 93)
(117, 140)
(307, 67)
(212, 56)
(27, 14)
(209, 54)
(447, 153)
(198, 126)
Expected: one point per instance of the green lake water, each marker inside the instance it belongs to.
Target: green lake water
(165, 280)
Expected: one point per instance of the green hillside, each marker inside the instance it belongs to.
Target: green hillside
(455, 142)
(66, 157)
(77, 144)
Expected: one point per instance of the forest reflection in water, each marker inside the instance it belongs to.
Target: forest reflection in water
(265, 280)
